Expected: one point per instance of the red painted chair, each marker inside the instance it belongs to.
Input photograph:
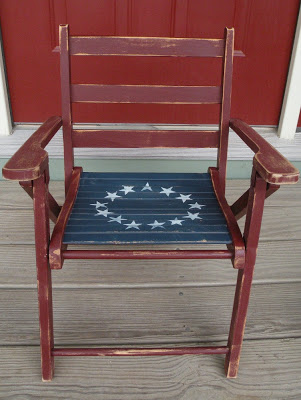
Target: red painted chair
(146, 208)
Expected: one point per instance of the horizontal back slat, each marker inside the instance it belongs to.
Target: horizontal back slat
(146, 46)
(145, 138)
(145, 94)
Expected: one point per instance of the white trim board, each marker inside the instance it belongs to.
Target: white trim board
(237, 149)
(6, 126)
(292, 96)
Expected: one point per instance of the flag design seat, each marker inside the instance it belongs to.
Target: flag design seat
(146, 208)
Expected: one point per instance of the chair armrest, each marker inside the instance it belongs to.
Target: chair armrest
(31, 160)
(268, 162)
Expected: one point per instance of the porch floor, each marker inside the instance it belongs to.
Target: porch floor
(150, 303)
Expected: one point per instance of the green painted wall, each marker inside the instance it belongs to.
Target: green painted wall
(236, 169)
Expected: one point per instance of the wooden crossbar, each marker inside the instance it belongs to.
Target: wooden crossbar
(171, 351)
(145, 254)
(146, 46)
(89, 93)
(145, 138)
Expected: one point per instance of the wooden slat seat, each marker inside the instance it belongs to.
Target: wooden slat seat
(186, 213)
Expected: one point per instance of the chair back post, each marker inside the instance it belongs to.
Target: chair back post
(226, 106)
(66, 103)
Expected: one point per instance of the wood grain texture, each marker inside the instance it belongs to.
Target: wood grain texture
(44, 284)
(237, 244)
(146, 254)
(203, 224)
(282, 224)
(11, 197)
(147, 138)
(66, 103)
(146, 46)
(54, 208)
(226, 107)
(149, 315)
(56, 242)
(239, 208)
(237, 149)
(245, 276)
(272, 257)
(269, 163)
(31, 160)
(88, 93)
(270, 369)
(137, 351)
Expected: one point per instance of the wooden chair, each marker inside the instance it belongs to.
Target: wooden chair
(146, 208)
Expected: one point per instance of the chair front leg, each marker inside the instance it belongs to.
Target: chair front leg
(42, 234)
(255, 206)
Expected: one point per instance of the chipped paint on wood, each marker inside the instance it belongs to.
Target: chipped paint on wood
(31, 160)
(42, 232)
(126, 352)
(244, 278)
(272, 166)
(56, 243)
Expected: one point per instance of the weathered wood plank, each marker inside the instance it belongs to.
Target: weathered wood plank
(276, 262)
(270, 369)
(147, 138)
(149, 315)
(268, 162)
(146, 46)
(12, 197)
(284, 224)
(66, 104)
(55, 245)
(31, 160)
(84, 93)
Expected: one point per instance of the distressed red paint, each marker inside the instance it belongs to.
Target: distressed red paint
(30, 166)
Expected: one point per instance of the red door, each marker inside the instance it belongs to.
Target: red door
(264, 32)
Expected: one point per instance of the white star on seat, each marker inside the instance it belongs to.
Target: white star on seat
(196, 205)
(98, 204)
(147, 187)
(127, 189)
(176, 221)
(132, 225)
(112, 196)
(167, 191)
(157, 224)
(105, 212)
(192, 216)
(184, 197)
(117, 219)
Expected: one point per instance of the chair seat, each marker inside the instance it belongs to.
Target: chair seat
(146, 208)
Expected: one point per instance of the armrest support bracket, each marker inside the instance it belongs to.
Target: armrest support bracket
(239, 208)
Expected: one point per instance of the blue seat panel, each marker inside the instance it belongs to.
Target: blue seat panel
(146, 208)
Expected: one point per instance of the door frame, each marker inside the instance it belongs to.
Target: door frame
(291, 104)
(6, 123)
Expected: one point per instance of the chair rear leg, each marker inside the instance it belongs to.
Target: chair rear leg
(239, 316)
(42, 232)
(245, 276)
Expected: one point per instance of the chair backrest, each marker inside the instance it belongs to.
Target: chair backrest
(153, 47)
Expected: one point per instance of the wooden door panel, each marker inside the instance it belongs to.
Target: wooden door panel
(263, 36)
(90, 17)
(210, 19)
(150, 18)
